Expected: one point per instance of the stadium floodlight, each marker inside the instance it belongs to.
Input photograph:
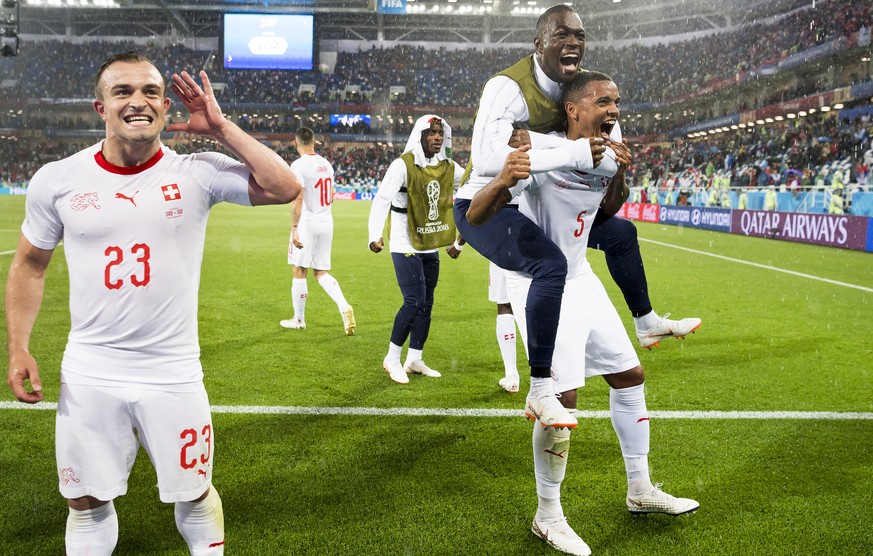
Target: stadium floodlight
(838, 106)
(802, 113)
(791, 115)
(8, 4)
(825, 108)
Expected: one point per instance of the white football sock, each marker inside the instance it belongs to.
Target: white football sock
(412, 355)
(394, 352)
(551, 448)
(505, 331)
(92, 532)
(630, 419)
(332, 287)
(202, 525)
(647, 321)
(542, 386)
(299, 293)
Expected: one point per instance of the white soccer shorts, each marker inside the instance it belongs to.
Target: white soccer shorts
(591, 339)
(98, 431)
(316, 237)
(497, 292)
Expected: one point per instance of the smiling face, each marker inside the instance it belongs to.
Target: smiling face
(560, 45)
(432, 138)
(132, 101)
(593, 110)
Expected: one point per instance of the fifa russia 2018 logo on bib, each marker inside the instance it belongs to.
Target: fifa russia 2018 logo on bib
(433, 197)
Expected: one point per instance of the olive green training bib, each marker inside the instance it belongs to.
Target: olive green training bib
(545, 114)
(429, 203)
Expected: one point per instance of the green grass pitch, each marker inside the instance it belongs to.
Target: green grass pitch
(771, 341)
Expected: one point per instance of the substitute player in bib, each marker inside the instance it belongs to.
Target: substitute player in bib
(591, 339)
(132, 215)
(417, 190)
(312, 233)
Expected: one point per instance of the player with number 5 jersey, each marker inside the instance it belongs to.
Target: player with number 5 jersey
(132, 217)
(591, 339)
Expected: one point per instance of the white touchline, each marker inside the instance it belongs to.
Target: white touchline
(483, 412)
(768, 267)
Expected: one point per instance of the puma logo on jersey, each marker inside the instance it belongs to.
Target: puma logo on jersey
(68, 475)
(84, 200)
(123, 196)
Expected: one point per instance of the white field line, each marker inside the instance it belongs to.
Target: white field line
(758, 265)
(481, 412)
(6, 252)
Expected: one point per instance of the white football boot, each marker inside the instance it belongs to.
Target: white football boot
(665, 329)
(546, 409)
(560, 536)
(656, 501)
(419, 368)
(395, 371)
(349, 321)
(508, 384)
(293, 323)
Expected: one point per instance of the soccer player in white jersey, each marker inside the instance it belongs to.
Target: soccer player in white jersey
(132, 215)
(504, 327)
(312, 233)
(591, 339)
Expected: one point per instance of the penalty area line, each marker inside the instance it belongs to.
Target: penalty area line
(483, 412)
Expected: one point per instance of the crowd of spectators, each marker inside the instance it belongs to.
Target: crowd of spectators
(647, 73)
(443, 77)
(815, 151)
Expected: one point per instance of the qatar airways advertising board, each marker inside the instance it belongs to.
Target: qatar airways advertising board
(848, 232)
(844, 231)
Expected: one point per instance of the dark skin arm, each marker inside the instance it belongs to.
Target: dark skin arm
(452, 251)
(618, 191)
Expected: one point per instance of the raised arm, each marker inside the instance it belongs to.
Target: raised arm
(491, 198)
(271, 181)
(502, 107)
(618, 191)
(24, 292)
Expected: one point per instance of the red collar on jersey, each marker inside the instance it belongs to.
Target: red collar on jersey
(127, 170)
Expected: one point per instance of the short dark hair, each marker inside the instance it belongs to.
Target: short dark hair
(582, 79)
(543, 20)
(305, 135)
(130, 57)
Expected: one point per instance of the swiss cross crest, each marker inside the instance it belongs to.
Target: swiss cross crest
(171, 192)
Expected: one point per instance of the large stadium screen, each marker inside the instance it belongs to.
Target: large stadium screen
(348, 120)
(268, 41)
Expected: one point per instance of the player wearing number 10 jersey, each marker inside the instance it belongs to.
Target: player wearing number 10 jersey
(312, 232)
(132, 215)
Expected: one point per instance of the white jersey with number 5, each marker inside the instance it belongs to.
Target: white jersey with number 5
(316, 175)
(133, 240)
(564, 205)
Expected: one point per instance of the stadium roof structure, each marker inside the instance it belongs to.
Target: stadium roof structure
(469, 21)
